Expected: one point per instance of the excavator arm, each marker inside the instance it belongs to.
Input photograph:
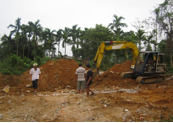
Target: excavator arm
(117, 45)
(145, 72)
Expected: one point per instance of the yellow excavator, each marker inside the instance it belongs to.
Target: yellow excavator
(149, 65)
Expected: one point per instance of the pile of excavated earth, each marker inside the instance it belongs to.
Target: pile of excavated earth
(115, 99)
(60, 74)
(111, 77)
(55, 75)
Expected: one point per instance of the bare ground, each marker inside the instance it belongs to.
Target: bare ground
(115, 99)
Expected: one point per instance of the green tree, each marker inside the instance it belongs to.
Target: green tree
(8, 43)
(50, 37)
(92, 38)
(116, 25)
(140, 37)
(129, 36)
(65, 38)
(164, 17)
(58, 38)
(148, 40)
(29, 34)
(24, 39)
(75, 34)
(162, 46)
(17, 28)
(36, 31)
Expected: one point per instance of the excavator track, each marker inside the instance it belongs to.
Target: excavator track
(126, 74)
(150, 79)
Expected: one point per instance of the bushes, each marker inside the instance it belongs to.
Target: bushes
(16, 65)
(16, 72)
(39, 60)
(6, 72)
(169, 69)
(14, 60)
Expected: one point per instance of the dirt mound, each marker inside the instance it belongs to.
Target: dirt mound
(60, 74)
(11, 80)
(112, 76)
(55, 75)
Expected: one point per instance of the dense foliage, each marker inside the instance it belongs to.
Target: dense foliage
(28, 43)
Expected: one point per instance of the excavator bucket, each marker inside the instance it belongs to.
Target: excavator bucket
(95, 73)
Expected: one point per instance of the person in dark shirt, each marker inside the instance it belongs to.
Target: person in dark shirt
(88, 80)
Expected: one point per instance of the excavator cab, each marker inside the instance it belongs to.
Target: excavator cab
(149, 63)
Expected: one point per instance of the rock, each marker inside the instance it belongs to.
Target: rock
(141, 118)
(1, 116)
(78, 103)
(6, 89)
(28, 91)
(9, 101)
(117, 88)
(112, 72)
(126, 110)
(22, 95)
(28, 85)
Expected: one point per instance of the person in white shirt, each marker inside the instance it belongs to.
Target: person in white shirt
(80, 77)
(35, 75)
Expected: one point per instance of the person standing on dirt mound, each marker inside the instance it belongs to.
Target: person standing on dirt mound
(88, 80)
(35, 74)
(80, 77)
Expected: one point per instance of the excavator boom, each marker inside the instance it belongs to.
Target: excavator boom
(116, 45)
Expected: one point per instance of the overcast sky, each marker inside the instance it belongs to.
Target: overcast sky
(58, 14)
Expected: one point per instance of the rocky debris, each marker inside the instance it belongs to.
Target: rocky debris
(112, 72)
(28, 91)
(28, 85)
(169, 78)
(9, 101)
(6, 89)
(115, 100)
(1, 116)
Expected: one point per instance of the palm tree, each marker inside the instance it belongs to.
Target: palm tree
(148, 40)
(58, 37)
(65, 37)
(24, 31)
(118, 33)
(17, 28)
(36, 30)
(45, 40)
(30, 34)
(155, 33)
(117, 24)
(8, 42)
(140, 37)
(75, 34)
(50, 38)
